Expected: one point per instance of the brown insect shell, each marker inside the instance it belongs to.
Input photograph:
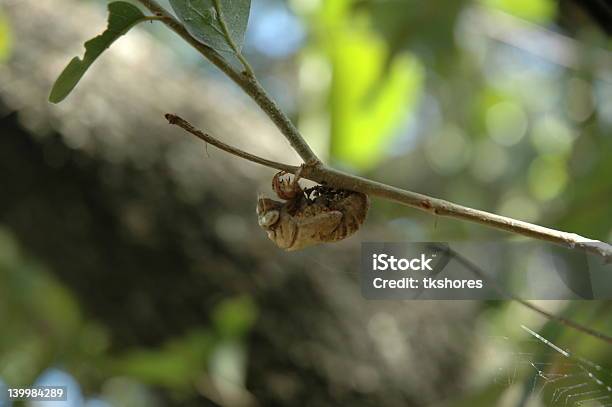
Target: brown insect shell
(318, 216)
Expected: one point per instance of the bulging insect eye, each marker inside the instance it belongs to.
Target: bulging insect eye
(268, 219)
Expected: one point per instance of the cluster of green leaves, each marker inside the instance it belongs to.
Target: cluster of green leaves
(219, 24)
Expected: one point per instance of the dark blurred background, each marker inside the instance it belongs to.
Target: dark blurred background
(132, 268)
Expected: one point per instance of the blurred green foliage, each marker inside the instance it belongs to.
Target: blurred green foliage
(41, 321)
(370, 87)
(537, 11)
(367, 103)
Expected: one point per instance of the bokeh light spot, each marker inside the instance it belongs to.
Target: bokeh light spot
(547, 177)
(490, 161)
(551, 135)
(580, 103)
(448, 151)
(519, 207)
(506, 123)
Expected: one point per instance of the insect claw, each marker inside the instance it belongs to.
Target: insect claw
(286, 189)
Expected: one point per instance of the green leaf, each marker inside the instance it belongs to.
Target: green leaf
(121, 17)
(204, 22)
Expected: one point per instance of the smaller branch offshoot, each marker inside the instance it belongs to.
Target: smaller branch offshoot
(184, 124)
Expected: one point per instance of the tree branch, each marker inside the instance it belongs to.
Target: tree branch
(247, 82)
(325, 175)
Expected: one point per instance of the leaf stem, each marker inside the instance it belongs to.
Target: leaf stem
(154, 18)
(247, 67)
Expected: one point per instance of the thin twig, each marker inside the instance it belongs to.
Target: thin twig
(249, 84)
(184, 124)
(480, 273)
(441, 207)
